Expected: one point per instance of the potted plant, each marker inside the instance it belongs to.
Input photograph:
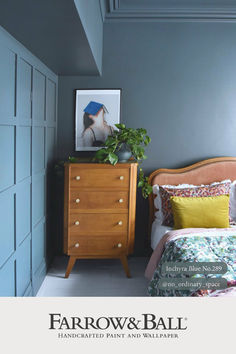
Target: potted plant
(121, 145)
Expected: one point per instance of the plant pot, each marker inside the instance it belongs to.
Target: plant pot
(123, 152)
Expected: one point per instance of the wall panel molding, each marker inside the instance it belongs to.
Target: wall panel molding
(148, 11)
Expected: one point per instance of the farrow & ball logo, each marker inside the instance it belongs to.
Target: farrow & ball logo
(146, 325)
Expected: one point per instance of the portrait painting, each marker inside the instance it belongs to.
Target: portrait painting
(96, 113)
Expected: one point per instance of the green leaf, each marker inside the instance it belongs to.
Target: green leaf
(140, 184)
(113, 158)
(147, 140)
(111, 140)
(72, 159)
(101, 154)
(142, 131)
(120, 126)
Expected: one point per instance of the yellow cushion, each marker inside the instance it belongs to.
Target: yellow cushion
(207, 212)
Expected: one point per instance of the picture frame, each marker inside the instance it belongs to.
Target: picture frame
(96, 113)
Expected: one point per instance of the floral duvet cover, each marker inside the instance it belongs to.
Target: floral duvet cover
(195, 245)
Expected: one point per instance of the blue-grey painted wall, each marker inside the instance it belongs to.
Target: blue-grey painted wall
(178, 81)
(28, 124)
(91, 18)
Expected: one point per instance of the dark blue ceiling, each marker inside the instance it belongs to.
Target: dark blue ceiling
(53, 31)
(67, 34)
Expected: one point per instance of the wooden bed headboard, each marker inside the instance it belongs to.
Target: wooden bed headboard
(203, 172)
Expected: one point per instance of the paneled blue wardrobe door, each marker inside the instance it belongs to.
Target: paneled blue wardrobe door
(51, 101)
(38, 176)
(39, 84)
(23, 153)
(7, 279)
(7, 156)
(38, 149)
(7, 242)
(23, 267)
(38, 251)
(38, 198)
(7, 83)
(23, 211)
(24, 88)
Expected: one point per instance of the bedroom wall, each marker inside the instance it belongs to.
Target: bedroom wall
(178, 81)
(28, 124)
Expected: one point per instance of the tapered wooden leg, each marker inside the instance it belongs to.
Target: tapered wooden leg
(70, 266)
(125, 265)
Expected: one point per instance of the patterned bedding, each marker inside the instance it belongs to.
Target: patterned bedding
(194, 245)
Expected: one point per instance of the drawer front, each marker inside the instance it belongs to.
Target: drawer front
(81, 200)
(97, 245)
(92, 224)
(99, 177)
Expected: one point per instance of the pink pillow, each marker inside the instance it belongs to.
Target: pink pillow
(201, 191)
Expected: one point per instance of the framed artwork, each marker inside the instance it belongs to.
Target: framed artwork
(96, 113)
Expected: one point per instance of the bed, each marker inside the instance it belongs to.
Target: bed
(193, 244)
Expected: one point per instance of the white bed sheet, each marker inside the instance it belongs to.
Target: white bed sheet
(158, 231)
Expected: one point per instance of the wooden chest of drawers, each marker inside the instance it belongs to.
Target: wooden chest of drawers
(99, 211)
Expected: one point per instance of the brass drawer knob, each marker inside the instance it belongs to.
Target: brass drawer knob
(77, 222)
(77, 245)
(121, 200)
(77, 178)
(119, 245)
(120, 223)
(77, 200)
(121, 178)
